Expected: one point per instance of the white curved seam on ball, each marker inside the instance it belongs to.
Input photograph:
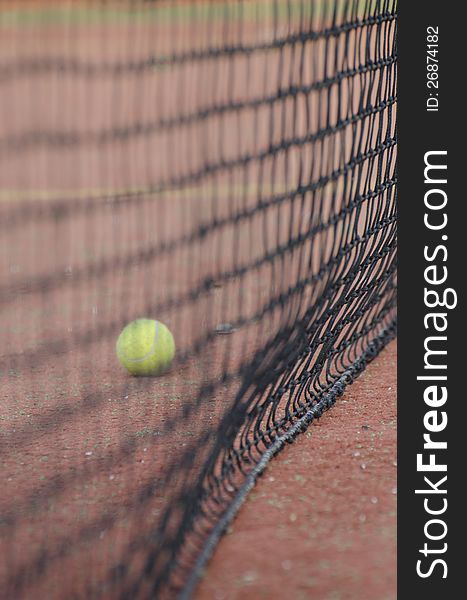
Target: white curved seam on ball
(151, 351)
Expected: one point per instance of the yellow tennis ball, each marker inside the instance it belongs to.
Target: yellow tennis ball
(146, 347)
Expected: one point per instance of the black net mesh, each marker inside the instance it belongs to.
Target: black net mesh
(229, 169)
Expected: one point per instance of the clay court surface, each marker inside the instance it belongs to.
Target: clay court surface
(321, 522)
(111, 210)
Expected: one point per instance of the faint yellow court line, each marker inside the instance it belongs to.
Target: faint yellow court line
(169, 11)
(165, 11)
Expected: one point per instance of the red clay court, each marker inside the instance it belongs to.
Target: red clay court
(227, 168)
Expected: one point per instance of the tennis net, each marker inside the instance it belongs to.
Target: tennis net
(229, 169)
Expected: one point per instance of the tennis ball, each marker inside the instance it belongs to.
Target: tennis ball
(145, 347)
